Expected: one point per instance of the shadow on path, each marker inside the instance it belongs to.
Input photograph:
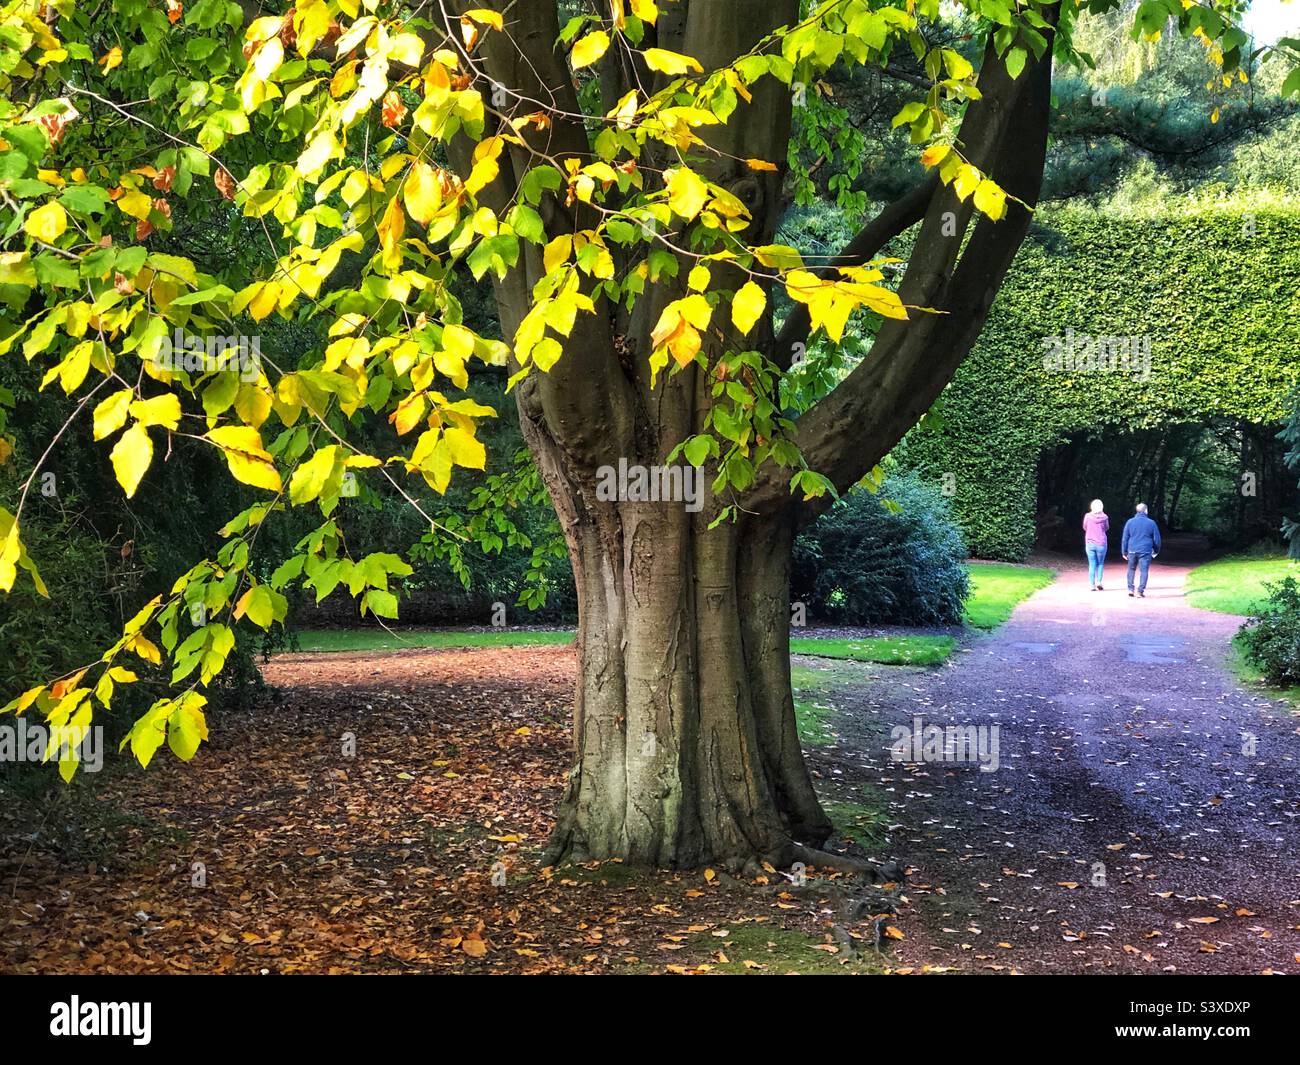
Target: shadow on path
(1143, 815)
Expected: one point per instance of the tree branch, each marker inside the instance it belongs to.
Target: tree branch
(851, 429)
(893, 220)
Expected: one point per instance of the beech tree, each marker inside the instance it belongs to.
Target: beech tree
(616, 170)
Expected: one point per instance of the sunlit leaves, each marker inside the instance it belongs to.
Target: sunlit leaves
(262, 605)
(589, 49)
(131, 457)
(247, 459)
(830, 300)
(13, 555)
(422, 192)
(748, 306)
(666, 62)
(319, 475)
(687, 192)
(162, 410)
(47, 223)
(678, 330)
(110, 415)
(990, 199)
(344, 129)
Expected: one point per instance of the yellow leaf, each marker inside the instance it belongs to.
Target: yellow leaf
(485, 17)
(110, 415)
(967, 181)
(311, 20)
(46, 223)
(991, 200)
(390, 229)
(645, 10)
(485, 167)
(249, 462)
(253, 405)
(557, 251)
(464, 448)
(747, 306)
(311, 477)
(935, 154)
(112, 59)
(145, 648)
(161, 410)
(422, 192)
(666, 62)
(759, 164)
(131, 458)
(589, 49)
(264, 302)
(687, 192)
(135, 203)
(13, 555)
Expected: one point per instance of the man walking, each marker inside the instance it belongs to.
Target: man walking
(1140, 545)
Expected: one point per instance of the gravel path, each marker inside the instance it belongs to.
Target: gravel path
(1144, 815)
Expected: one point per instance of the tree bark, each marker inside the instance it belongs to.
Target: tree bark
(685, 745)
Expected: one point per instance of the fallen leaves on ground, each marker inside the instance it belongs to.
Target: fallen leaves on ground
(276, 852)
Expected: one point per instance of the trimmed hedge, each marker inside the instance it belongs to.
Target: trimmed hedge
(1213, 290)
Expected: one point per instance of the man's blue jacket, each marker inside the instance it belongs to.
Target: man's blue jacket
(1141, 536)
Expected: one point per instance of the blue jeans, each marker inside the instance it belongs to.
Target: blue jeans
(1142, 563)
(1096, 562)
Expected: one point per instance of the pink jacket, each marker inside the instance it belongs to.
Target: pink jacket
(1095, 528)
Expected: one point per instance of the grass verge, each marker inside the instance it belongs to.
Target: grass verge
(1236, 584)
(996, 588)
(884, 650)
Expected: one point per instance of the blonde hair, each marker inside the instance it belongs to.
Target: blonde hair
(1098, 506)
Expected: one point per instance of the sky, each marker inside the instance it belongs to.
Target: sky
(1267, 20)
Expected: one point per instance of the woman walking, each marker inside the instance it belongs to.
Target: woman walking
(1096, 530)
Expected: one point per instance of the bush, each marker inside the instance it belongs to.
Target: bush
(896, 558)
(1271, 641)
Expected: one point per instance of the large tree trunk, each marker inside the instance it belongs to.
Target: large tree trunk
(685, 743)
(685, 746)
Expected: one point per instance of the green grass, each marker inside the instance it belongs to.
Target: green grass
(402, 639)
(852, 820)
(997, 587)
(812, 712)
(1235, 585)
(884, 650)
(773, 950)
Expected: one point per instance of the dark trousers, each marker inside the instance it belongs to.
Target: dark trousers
(1142, 563)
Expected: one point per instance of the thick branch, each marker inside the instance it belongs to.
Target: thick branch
(849, 431)
(586, 398)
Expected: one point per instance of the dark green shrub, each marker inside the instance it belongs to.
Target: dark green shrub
(1271, 641)
(890, 559)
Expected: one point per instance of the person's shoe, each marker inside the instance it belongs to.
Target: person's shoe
(1100, 588)
(1130, 593)
(1094, 587)
(1142, 595)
